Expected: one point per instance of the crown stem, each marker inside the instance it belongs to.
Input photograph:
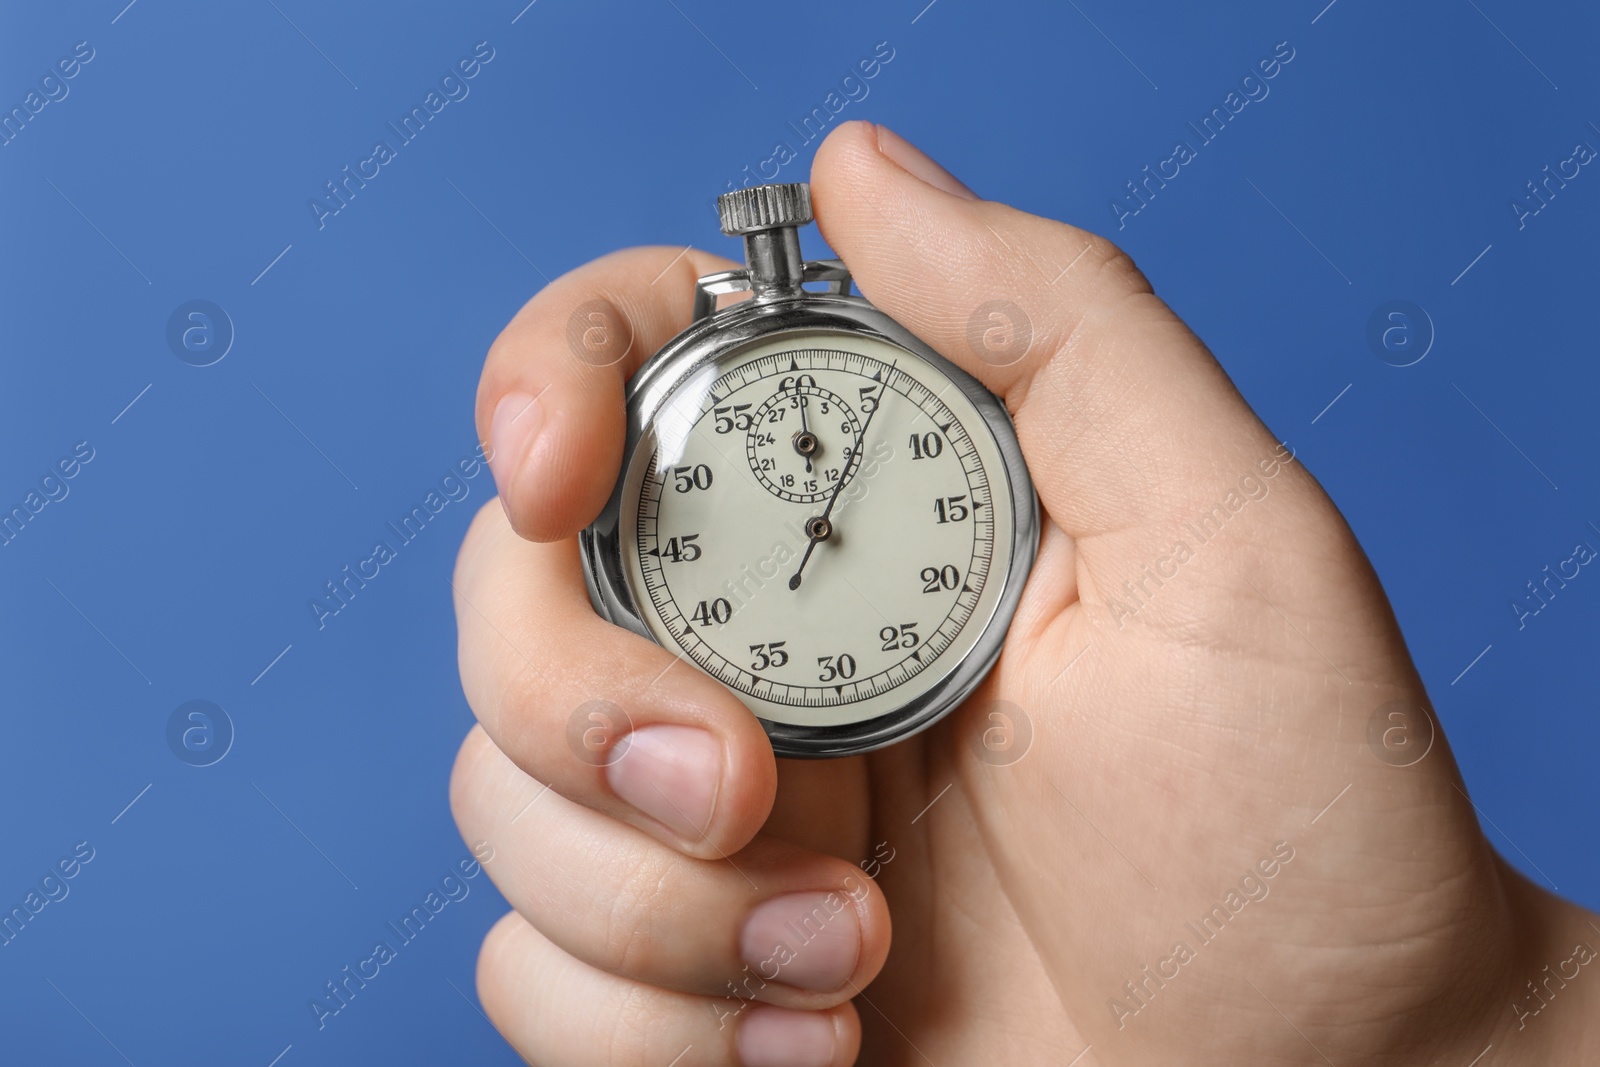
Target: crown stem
(773, 257)
(768, 217)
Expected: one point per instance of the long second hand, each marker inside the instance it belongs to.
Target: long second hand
(821, 522)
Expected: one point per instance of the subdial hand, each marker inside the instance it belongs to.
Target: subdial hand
(805, 442)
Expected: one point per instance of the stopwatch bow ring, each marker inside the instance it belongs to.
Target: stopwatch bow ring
(769, 218)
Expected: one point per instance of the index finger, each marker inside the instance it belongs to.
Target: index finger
(550, 402)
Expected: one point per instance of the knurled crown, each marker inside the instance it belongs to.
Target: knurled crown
(764, 207)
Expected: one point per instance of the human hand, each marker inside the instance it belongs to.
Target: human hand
(1217, 847)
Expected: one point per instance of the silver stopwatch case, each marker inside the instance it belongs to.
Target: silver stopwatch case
(768, 217)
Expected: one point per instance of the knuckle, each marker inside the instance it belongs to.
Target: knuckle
(466, 774)
(1114, 269)
(522, 699)
(642, 906)
(481, 533)
(496, 963)
(1107, 283)
(634, 1027)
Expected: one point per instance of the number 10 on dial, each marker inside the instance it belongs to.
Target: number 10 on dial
(815, 508)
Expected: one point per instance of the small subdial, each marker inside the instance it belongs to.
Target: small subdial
(801, 440)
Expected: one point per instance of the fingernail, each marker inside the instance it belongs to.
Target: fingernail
(778, 1037)
(513, 429)
(811, 940)
(913, 161)
(671, 773)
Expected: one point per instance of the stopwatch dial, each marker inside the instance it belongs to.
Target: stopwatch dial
(831, 595)
(800, 440)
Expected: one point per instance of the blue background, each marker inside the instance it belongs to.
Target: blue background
(1382, 164)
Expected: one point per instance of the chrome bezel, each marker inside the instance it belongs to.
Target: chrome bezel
(736, 327)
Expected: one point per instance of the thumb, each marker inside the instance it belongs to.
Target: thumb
(1125, 417)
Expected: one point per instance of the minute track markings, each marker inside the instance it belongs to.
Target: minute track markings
(746, 379)
(829, 365)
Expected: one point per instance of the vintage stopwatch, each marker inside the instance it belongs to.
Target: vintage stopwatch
(815, 507)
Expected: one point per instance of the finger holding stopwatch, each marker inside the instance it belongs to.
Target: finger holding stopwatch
(784, 924)
(557, 1010)
(550, 399)
(1123, 414)
(606, 718)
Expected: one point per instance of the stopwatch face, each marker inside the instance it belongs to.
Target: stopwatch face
(824, 522)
